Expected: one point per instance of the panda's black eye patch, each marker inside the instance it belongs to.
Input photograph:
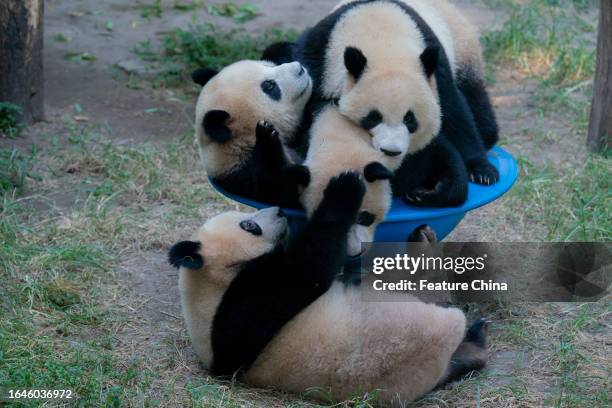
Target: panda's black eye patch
(251, 226)
(372, 120)
(271, 88)
(365, 218)
(411, 122)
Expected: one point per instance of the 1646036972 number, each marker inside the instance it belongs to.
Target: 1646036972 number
(8, 394)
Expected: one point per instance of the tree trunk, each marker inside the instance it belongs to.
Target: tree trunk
(600, 125)
(21, 59)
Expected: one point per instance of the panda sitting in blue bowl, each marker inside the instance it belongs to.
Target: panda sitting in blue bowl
(275, 131)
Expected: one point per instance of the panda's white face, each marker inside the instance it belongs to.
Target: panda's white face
(234, 100)
(399, 109)
(228, 240)
(244, 236)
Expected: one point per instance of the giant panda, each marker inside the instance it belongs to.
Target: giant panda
(246, 118)
(278, 318)
(337, 145)
(404, 70)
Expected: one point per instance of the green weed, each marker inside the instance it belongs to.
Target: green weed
(207, 46)
(9, 120)
(14, 168)
(79, 56)
(187, 5)
(148, 11)
(241, 13)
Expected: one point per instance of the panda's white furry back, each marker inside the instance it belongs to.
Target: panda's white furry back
(344, 346)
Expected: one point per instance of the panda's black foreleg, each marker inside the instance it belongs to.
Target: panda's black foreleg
(459, 126)
(318, 252)
(269, 162)
(447, 185)
(473, 89)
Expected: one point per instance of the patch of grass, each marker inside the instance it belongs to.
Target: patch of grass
(579, 384)
(59, 315)
(207, 46)
(552, 42)
(79, 56)
(187, 5)
(573, 202)
(9, 120)
(241, 13)
(59, 37)
(14, 168)
(150, 10)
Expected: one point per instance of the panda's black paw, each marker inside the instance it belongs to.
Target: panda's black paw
(423, 233)
(480, 171)
(423, 197)
(345, 193)
(446, 193)
(265, 130)
(269, 152)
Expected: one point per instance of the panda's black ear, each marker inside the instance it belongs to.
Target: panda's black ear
(376, 171)
(279, 53)
(299, 174)
(429, 59)
(355, 62)
(214, 125)
(202, 75)
(186, 254)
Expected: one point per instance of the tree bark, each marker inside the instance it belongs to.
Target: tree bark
(21, 58)
(600, 125)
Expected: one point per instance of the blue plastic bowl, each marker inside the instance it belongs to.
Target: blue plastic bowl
(403, 218)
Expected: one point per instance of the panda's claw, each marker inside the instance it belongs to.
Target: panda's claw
(482, 172)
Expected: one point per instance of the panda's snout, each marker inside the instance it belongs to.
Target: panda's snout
(300, 71)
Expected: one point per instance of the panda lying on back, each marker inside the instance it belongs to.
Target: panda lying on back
(246, 116)
(278, 318)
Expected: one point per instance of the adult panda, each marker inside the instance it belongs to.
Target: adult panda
(246, 120)
(404, 70)
(278, 318)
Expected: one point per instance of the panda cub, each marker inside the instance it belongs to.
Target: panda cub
(246, 116)
(337, 145)
(405, 70)
(278, 318)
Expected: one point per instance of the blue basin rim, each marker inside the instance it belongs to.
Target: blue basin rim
(478, 195)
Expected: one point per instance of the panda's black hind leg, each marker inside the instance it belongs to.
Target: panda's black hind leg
(471, 355)
(472, 86)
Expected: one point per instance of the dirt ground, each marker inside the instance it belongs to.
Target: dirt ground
(159, 115)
